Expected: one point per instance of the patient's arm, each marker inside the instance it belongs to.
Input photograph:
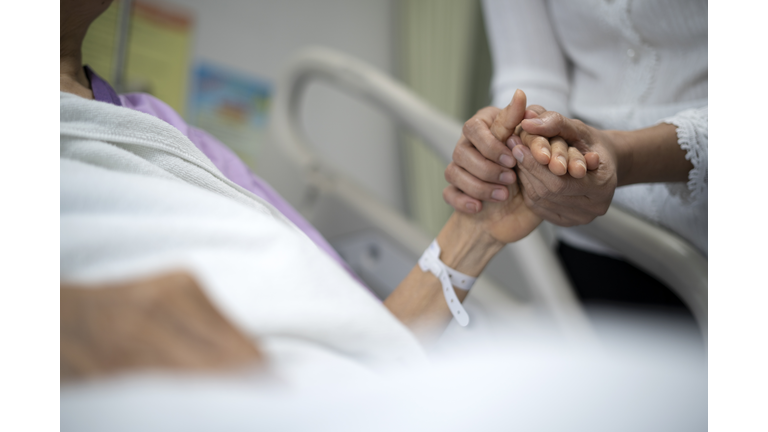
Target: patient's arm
(163, 322)
(468, 243)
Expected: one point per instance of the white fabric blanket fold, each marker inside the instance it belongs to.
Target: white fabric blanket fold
(86, 125)
(137, 197)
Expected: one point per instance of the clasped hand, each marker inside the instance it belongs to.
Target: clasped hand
(564, 169)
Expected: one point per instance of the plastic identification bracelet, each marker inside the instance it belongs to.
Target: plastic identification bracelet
(430, 261)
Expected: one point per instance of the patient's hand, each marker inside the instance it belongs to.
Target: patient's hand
(506, 220)
(164, 322)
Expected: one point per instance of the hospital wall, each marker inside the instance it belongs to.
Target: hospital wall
(259, 37)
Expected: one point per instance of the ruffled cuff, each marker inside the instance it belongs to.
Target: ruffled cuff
(693, 137)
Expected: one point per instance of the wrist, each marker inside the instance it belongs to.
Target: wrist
(649, 155)
(620, 142)
(465, 245)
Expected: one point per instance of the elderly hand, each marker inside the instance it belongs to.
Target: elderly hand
(566, 200)
(505, 217)
(481, 166)
(508, 221)
(482, 163)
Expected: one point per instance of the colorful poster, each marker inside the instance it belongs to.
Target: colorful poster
(231, 106)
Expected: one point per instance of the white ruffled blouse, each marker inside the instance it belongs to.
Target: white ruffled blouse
(615, 64)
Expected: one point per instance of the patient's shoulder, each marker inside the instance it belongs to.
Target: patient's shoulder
(153, 106)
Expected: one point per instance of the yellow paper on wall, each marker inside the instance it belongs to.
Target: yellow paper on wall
(99, 43)
(158, 50)
(158, 53)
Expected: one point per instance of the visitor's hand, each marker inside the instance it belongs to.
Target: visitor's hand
(507, 221)
(562, 199)
(564, 157)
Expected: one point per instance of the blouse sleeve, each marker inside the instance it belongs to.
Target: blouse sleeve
(692, 135)
(526, 54)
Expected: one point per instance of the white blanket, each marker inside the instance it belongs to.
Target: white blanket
(137, 197)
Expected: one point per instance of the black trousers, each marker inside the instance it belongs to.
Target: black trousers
(600, 280)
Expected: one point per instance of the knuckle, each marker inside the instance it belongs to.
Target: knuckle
(484, 176)
(476, 188)
(490, 171)
(483, 192)
(466, 130)
(559, 120)
(459, 154)
(528, 139)
(487, 149)
(448, 195)
(472, 125)
(450, 173)
(552, 117)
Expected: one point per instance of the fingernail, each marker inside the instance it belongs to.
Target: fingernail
(536, 121)
(499, 194)
(518, 154)
(507, 161)
(513, 141)
(581, 162)
(507, 177)
(471, 207)
(563, 161)
(546, 152)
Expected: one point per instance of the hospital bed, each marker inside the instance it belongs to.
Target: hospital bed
(381, 244)
(586, 390)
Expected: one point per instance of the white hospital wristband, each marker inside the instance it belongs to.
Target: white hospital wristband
(430, 261)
